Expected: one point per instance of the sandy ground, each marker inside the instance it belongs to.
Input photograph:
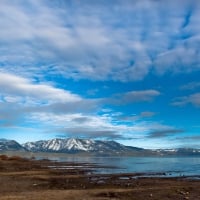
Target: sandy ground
(34, 180)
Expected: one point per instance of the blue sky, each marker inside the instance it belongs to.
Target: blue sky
(125, 70)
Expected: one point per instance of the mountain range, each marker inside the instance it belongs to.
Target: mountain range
(91, 147)
(72, 145)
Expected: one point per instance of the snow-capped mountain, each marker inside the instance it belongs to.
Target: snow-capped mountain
(77, 145)
(10, 145)
(96, 147)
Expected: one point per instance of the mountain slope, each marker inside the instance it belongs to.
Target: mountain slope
(78, 145)
(10, 145)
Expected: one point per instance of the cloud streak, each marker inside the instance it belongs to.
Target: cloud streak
(164, 133)
(132, 97)
(193, 99)
(190, 86)
(141, 116)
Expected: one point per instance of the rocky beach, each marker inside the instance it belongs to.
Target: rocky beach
(22, 178)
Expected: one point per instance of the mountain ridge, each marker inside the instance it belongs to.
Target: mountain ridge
(72, 145)
(91, 147)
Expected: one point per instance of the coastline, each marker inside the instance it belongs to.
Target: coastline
(22, 178)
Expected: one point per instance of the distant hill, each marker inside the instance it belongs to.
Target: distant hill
(10, 145)
(178, 152)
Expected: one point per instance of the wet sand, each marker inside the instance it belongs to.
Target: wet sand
(43, 179)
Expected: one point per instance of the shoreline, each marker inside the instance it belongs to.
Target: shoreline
(30, 179)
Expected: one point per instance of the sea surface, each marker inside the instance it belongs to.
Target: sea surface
(170, 166)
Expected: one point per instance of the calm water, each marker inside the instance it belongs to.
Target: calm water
(176, 166)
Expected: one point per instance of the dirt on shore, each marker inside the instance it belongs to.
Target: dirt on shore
(29, 179)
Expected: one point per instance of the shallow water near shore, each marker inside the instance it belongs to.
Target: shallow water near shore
(34, 179)
(154, 166)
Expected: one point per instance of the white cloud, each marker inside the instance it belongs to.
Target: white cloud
(14, 87)
(120, 40)
(94, 126)
(28, 98)
(100, 127)
(21, 97)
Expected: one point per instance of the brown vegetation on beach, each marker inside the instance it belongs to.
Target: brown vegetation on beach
(29, 179)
